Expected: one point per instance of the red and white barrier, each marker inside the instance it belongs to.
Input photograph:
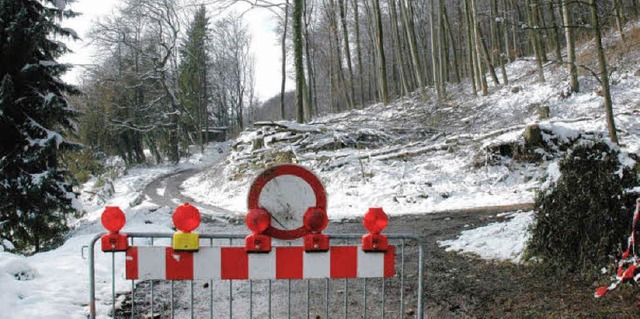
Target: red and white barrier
(215, 263)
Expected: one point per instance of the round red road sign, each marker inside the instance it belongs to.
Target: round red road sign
(253, 200)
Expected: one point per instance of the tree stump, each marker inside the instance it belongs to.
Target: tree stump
(533, 136)
(543, 112)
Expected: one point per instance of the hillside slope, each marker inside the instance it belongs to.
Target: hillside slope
(419, 156)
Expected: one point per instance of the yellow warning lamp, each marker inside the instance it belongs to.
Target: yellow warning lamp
(186, 218)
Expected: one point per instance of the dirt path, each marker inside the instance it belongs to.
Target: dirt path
(170, 186)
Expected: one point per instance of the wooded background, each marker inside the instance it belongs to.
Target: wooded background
(170, 71)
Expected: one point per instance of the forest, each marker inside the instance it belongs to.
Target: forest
(169, 71)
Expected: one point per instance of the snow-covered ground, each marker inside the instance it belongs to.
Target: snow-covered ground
(55, 284)
(501, 240)
(413, 156)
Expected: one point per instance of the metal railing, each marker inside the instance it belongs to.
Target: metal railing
(400, 296)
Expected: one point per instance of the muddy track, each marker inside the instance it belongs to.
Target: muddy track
(172, 195)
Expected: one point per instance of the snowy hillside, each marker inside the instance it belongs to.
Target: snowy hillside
(416, 156)
(413, 156)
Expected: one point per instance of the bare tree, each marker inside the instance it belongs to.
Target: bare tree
(604, 75)
(298, 8)
(571, 44)
(283, 83)
(382, 67)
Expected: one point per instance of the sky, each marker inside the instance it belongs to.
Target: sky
(264, 46)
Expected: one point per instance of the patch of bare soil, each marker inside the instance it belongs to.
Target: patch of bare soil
(463, 286)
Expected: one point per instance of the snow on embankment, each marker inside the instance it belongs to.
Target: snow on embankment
(501, 240)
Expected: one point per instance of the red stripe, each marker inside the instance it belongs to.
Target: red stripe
(131, 263)
(234, 263)
(389, 261)
(179, 264)
(289, 262)
(344, 262)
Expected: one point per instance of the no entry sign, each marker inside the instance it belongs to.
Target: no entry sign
(270, 175)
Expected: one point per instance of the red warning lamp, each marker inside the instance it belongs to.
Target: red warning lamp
(186, 218)
(315, 220)
(375, 221)
(258, 220)
(113, 220)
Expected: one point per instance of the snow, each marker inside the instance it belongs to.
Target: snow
(553, 172)
(7, 244)
(48, 63)
(413, 156)
(500, 241)
(55, 284)
(61, 4)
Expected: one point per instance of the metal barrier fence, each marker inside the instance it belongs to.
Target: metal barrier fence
(398, 296)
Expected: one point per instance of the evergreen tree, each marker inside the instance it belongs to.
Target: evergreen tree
(194, 93)
(35, 195)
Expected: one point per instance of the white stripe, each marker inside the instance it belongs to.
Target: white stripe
(262, 265)
(370, 264)
(316, 265)
(206, 263)
(152, 263)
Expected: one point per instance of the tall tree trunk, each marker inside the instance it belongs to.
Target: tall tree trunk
(332, 79)
(518, 47)
(397, 43)
(507, 49)
(298, 7)
(618, 14)
(434, 52)
(535, 38)
(456, 67)
(347, 52)
(284, 59)
(555, 32)
(571, 44)
(372, 79)
(470, 41)
(542, 26)
(478, 45)
(333, 26)
(310, 97)
(356, 16)
(500, 55)
(493, 31)
(604, 75)
(384, 91)
(487, 60)
(407, 21)
(443, 74)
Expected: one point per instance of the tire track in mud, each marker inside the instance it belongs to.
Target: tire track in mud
(173, 196)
